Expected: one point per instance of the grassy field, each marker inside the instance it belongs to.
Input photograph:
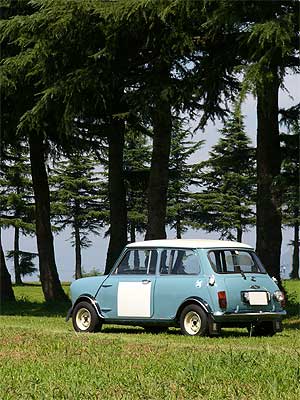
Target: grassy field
(41, 357)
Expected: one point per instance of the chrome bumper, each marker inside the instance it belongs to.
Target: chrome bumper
(219, 316)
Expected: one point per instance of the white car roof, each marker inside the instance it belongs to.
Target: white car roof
(190, 244)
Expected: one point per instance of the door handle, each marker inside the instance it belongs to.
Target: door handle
(107, 285)
(146, 281)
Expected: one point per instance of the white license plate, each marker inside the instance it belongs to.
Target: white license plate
(258, 298)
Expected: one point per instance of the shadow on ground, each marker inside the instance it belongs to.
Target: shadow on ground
(172, 331)
(292, 323)
(35, 309)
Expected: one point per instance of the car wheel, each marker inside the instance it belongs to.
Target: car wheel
(85, 318)
(263, 329)
(193, 321)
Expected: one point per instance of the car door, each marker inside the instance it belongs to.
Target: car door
(177, 279)
(128, 292)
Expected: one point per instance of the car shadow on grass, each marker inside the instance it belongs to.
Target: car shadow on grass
(35, 309)
(127, 329)
(292, 323)
(293, 312)
(170, 332)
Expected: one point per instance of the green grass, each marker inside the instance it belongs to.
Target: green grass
(41, 357)
(293, 286)
(32, 292)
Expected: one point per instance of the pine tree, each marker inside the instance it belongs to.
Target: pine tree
(100, 62)
(21, 85)
(264, 43)
(76, 201)
(290, 188)
(137, 156)
(228, 179)
(183, 175)
(6, 290)
(17, 203)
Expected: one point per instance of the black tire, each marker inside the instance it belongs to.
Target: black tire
(193, 321)
(156, 329)
(263, 329)
(85, 318)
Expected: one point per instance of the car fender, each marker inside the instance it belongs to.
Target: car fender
(90, 299)
(194, 300)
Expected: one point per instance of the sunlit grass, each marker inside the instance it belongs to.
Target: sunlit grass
(41, 357)
(33, 292)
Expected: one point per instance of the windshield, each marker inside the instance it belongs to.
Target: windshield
(235, 261)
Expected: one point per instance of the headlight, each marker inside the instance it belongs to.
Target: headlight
(279, 296)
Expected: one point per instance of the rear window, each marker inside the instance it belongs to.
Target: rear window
(235, 261)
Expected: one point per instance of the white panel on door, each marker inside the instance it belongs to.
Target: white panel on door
(134, 299)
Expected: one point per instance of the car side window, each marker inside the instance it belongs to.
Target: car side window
(179, 262)
(239, 260)
(234, 261)
(137, 261)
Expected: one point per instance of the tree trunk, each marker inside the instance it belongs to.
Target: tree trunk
(296, 248)
(6, 290)
(48, 272)
(117, 193)
(178, 227)
(132, 232)
(78, 271)
(159, 172)
(239, 234)
(269, 237)
(18, 278)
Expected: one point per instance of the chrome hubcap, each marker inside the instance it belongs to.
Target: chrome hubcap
(192, 323)
(83, 319)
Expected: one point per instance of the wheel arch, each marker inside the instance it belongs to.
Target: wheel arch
(193, 300)
(88, 298)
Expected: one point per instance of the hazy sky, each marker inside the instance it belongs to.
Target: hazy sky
(96, 254)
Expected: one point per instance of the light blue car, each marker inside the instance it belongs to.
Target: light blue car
(197, 285)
